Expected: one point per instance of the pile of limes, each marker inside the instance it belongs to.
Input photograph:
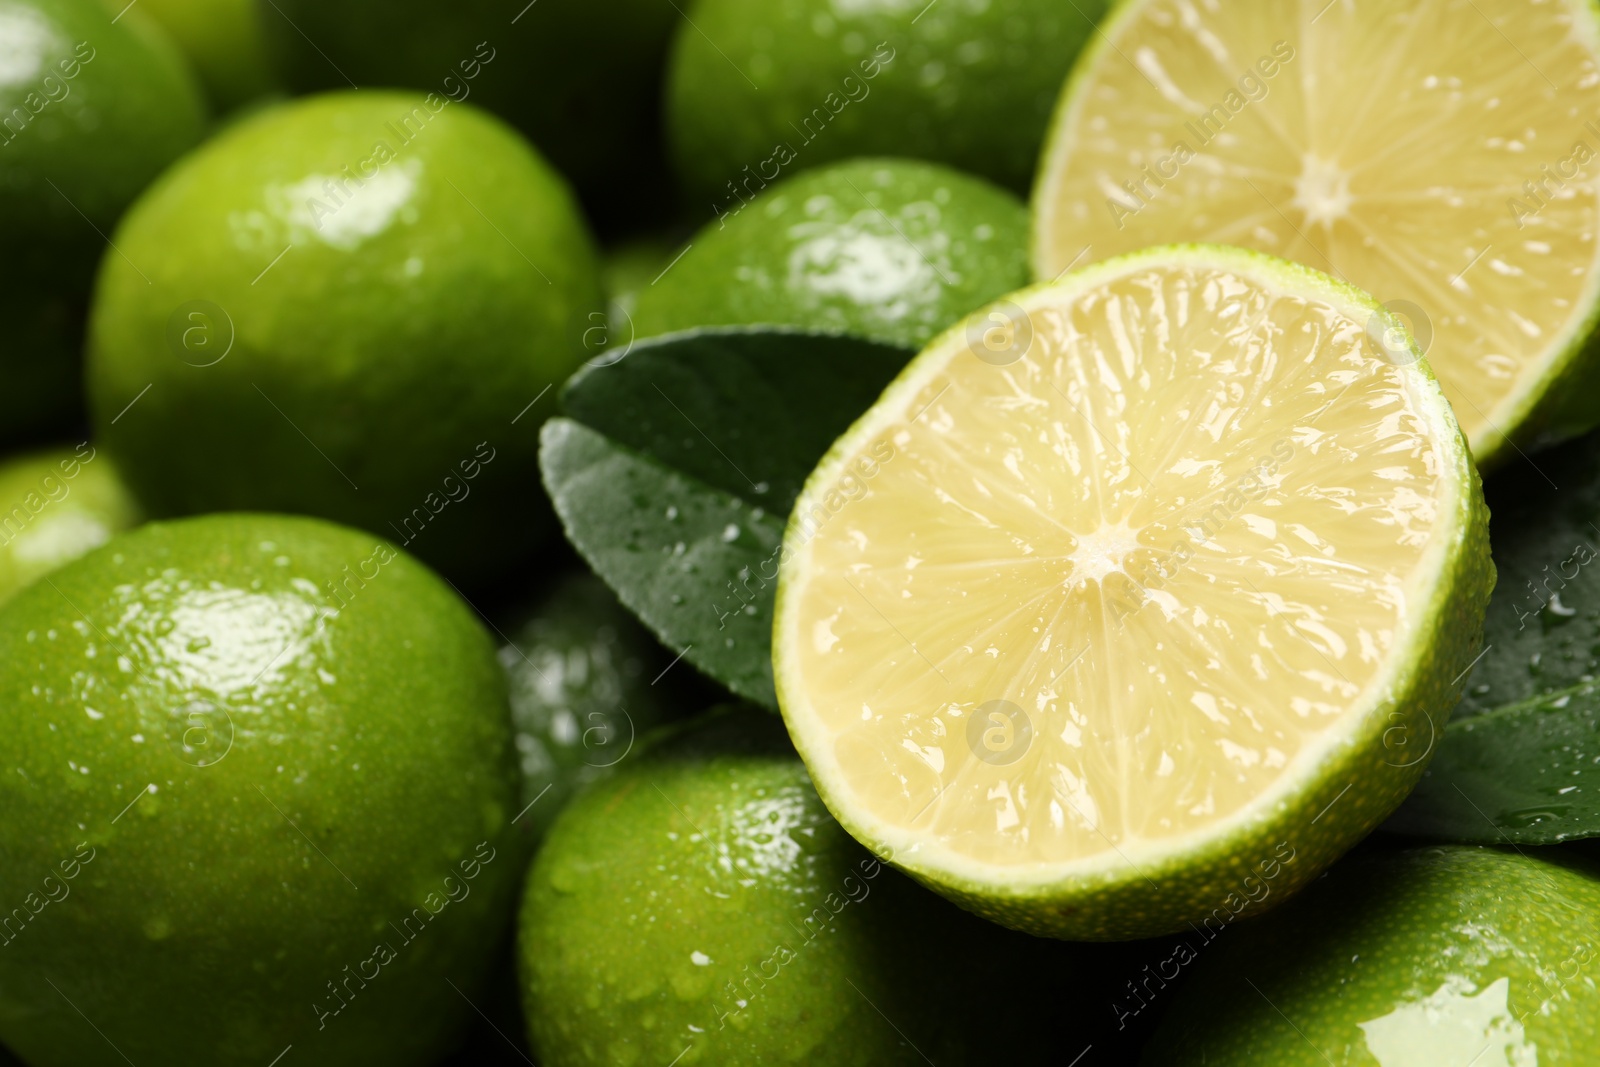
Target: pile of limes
(869, 532)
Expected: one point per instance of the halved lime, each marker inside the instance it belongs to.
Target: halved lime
(1441, 155)
(1135, 599)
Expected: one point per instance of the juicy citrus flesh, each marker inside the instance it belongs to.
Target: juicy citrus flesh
(1065, 613)
(1440, 155)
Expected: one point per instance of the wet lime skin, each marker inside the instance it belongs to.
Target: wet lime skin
(627, 897)
(890, 249)
(970, 83)
(90, 113)
(55, 506)
(701, 903)
(356, 305)
(230, 788)
(580, 77)
(1504, 942)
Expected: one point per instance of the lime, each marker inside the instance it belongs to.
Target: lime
(93, 108)
(579, 77)
(223, 40)
(755, 90)
(1450, 956)
(1131, 584)
(54, 507)
(587, 682)
(1437, 155)
(256, 763)
(888, 249)
(701, 907)
(353, 306)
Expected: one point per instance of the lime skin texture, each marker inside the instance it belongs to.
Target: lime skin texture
(890, 249)
(223, 41)
(701, 902)
(90, 113)
(580, 77)
(791, 84)
(1405, 958)
(357, 306)
(245, 753)
(587, 683)
(55, 506)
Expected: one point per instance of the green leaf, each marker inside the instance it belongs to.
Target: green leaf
(1518, 761)
(1542, 633)
(1526, 774)
(675, 469)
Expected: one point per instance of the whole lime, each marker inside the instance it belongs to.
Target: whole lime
(1451, 955)
(352, 306)
(91, 109)
(758, 89)
(258, 794)
(700, 906)
(223, 40)
(587, 683)
(54, 507)
(889, 249)
(580, 77)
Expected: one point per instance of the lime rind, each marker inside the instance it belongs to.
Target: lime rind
(1328, 798)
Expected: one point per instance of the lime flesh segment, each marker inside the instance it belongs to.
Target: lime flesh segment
(1439, 155)
(1124, 572)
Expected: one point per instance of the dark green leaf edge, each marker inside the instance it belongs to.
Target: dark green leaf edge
(755, 688)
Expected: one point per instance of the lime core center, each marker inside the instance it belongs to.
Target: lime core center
(1322, 191)
(1102, 552)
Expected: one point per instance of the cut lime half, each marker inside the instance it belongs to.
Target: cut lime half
(1137, 598)
(1441, 155)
